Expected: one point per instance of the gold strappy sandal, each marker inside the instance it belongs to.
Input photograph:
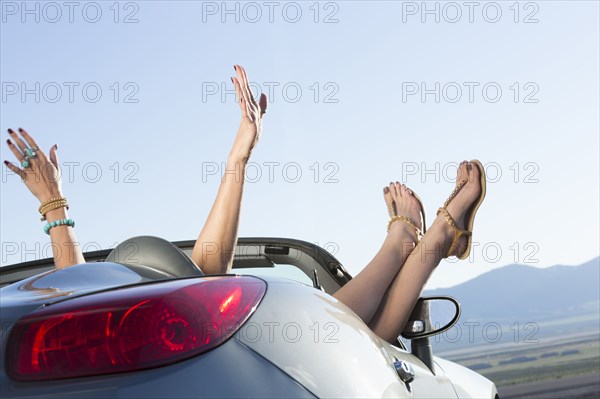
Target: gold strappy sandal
(407, 220)
(470, 217)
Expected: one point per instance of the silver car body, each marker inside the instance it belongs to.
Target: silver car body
(299, 342)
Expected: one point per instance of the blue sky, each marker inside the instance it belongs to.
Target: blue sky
(362, 93)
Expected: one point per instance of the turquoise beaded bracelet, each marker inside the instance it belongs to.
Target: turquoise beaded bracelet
(60, 222)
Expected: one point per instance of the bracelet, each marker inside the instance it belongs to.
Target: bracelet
(60, 222)
(47, 207)
(53, 206)
(51, 200)
(56, 206)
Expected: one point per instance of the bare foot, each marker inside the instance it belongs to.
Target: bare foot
(400, 201)
(461, 205)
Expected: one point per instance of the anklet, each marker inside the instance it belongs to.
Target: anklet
(405, 220)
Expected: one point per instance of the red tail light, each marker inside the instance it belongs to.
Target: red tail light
(130, 329)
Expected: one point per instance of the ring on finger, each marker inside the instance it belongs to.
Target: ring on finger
(25, 163)
(30, 152)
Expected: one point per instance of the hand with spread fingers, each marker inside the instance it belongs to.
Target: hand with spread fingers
(41, 175)
(252, 115)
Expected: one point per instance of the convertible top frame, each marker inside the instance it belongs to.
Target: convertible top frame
(250, 252)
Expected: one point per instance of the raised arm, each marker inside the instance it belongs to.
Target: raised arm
(215, 246)
(42, 177)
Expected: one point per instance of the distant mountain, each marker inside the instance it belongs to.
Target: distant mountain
(525, 293)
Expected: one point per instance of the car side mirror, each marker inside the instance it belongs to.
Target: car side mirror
(431, 316)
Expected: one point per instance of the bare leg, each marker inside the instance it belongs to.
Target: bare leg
(404, 291)
(363, 294)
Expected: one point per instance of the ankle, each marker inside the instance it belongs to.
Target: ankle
(402, 232)
(445, 230)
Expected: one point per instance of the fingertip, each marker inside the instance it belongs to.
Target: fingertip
(264, 103)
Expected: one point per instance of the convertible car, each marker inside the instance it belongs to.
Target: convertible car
(142, 320)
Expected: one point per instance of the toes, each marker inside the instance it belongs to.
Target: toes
(405, 191)
(394, 189)
(462, 173)
(470, 172)
(400, 190)
(474, 172)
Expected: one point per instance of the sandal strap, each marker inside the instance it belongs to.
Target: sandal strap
(406, 220)
(458, 187)
(391, 209)
(458, 233)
